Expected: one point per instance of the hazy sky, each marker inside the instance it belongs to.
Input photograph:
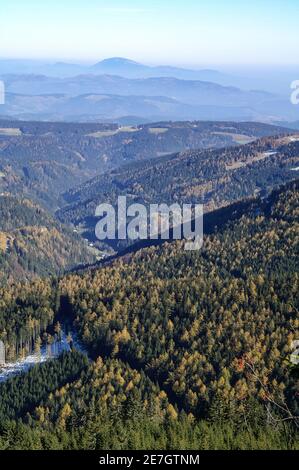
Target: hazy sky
(182, 32)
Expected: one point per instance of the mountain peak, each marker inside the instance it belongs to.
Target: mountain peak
(117, 61)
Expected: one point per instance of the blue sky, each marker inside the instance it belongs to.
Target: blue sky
(181, 32)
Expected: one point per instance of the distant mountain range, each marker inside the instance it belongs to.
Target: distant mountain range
(273, 79)
(131, 69)
(112, 66)
(124, 109)
(192, 92)
(110, 97)
(129, 92)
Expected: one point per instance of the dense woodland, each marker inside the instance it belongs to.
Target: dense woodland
(66, 404)
(186, 317)
(189, 350)
(186, 350)
(33, 244)
(27, 310)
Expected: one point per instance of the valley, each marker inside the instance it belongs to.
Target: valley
(215, 178)
(162, 340)
(149, 232)
(196, 322)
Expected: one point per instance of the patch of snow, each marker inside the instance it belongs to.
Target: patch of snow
(47, 352)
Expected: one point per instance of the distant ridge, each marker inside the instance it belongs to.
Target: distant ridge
(131, 69)
(125, 67)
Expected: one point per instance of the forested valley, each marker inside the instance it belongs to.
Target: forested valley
(149, 232)
(215, 178)
(187, 350)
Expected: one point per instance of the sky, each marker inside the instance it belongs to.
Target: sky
(177, 32)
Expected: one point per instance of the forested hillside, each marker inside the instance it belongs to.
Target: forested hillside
(194, 346)
(33, 244)
(43, 160)
(187, 317)
(215, 178)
